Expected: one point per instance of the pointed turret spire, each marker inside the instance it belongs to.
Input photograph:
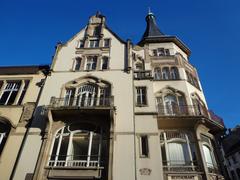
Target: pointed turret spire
(152, 29)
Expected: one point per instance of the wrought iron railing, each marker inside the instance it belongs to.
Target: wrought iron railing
(188, 110)
(180, 166)
(142, 75)
(74, 161)
(82, 102)
(181, 110)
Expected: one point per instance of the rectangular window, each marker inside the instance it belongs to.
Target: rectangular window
(94, 43)
(77, 64)
(161, 52)
(26, 83)
(106, 43)
(91, 63)
(104, 63)
(10, 92)
(141, 93)
(144, 151)
(81, 44)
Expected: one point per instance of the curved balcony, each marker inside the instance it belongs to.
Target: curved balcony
(188, 110)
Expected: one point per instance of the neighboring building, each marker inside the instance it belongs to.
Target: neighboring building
(19, 91)
(231, 152)
(112, 110)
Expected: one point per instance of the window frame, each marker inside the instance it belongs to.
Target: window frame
(16, 87)
(144, 147)
(91, 63)
(93, 43)
(141, 92)
(70, 134)
(108, 44)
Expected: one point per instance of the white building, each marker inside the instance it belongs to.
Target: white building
(117, 111)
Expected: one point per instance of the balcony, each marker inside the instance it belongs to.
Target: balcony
(77, 102)
(188, 110)
(74, 161)
(177, 167)
(142, 75)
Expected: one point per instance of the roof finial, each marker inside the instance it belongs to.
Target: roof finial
(149, 11)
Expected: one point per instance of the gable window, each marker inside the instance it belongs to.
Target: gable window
(91, 63)
(106, 43)
(141, 93)
(94, 43)
(10, 92)
(77, 66)
(81, 44)
(78, 145)
(143, 141)
(97, 31)
(105, 62)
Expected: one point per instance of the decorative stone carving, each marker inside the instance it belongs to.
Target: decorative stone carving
(27, 111)
(145, 171)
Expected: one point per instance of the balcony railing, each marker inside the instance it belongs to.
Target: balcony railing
(142, 75)
(74, 161)
(187, 110)
(81, 102)
(183, 110)
(180, 166)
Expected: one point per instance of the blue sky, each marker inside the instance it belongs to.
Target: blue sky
(29, 30)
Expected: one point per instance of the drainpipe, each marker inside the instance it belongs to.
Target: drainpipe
(29, 125)
(133, 92)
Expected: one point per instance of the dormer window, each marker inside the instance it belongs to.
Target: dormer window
(94, 43)
(106, 43)
(97, 31)
(161, 52)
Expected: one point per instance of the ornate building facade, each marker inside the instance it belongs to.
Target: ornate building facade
(112, 110)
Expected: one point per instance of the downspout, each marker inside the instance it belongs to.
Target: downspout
(29, 125)
(133, 92)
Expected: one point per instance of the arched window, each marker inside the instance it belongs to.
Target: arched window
(4, 131)
(157, 73)
(177, 148)
(208, 156)
(171, 103)
(174, 73)
(199, 107)
(87, 94)
(165, 73)
(77, 145)
(178, 153)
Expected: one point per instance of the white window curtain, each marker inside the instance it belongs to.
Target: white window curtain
(178, 153)
(208, 156)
